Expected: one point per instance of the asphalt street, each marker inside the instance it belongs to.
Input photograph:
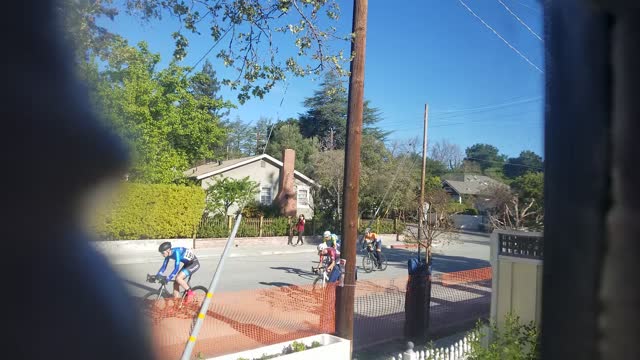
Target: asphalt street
(264, 267)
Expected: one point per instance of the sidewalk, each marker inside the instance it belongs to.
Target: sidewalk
(124, 257)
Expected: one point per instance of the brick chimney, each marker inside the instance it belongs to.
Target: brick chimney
(287, 197)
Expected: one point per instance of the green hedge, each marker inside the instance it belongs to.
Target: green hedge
(217, 227)
(151, 211)
(280, 227)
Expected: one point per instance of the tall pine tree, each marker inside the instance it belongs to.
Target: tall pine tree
(326, 117)
(205, 85)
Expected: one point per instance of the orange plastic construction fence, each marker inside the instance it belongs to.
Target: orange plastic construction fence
(237, 321)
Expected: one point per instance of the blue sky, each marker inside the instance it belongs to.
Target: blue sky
(479, 90)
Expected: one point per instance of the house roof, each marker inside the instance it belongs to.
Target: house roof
(217, 167)
(471, 184)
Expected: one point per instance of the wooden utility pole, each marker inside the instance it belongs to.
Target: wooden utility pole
(424, 174)
(345, 294)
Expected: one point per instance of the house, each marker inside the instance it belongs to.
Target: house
(470, 185)
(278, 181)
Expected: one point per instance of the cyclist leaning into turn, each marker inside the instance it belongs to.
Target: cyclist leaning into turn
(190, 265)
(329, 257)
(373, 239)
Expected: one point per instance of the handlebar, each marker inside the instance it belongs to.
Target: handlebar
(157, 278)
(316, 269)
(367, 247)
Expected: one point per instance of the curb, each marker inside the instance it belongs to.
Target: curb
(402, 246)
(276, 252)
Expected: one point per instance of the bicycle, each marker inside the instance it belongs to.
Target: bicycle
(322, 278)
(369, 262)
(158, 300)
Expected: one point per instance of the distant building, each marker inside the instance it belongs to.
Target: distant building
(278, 180)
(470, 185)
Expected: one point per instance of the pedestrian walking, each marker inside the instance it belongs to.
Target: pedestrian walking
(300, 229)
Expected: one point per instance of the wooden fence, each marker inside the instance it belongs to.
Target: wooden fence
(215, 227)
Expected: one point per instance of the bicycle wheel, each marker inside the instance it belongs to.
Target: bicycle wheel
(383, 262)
(367, 263)
(199, 294)
(318, 283)
(155, 304)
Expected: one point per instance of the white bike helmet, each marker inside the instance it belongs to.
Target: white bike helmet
(326, 234)
(322, 246)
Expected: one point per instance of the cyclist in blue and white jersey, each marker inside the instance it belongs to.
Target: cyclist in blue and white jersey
(190, 265)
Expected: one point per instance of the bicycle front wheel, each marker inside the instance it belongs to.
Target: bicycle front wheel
(154, 304)
(367, 263)
(318, 283)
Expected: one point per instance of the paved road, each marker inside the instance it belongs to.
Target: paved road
(257, 267)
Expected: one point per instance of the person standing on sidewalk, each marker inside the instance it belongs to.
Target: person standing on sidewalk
(300, 229)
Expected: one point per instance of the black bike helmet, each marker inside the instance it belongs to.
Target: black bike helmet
(164, 246)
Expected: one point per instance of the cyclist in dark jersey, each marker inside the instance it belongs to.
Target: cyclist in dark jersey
(190, 265)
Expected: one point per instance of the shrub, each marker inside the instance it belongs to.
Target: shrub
(150, 211)
(456, 208)
(213, 227)
(470, 211)
(277, 227)
(515, 341)
(256, 209)
(247, 230)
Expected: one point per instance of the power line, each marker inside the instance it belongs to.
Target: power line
(492, 106)
(537, 11)
(503, 163)
(464, 123)
(501, 121)
(484, 114)
(520, 20)
(488, 123)
(472, 117)
(482, 111)
(207, 52)
(500, 36)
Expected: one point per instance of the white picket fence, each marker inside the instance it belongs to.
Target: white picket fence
(457, 351)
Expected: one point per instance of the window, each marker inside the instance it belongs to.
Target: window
(265, 195)
(303, 197)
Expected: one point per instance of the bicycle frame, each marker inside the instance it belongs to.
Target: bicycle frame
(163, 285)
(322, 275)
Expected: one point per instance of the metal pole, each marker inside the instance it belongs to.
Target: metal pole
(423, 178)
(186, 355)
(345, 294)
